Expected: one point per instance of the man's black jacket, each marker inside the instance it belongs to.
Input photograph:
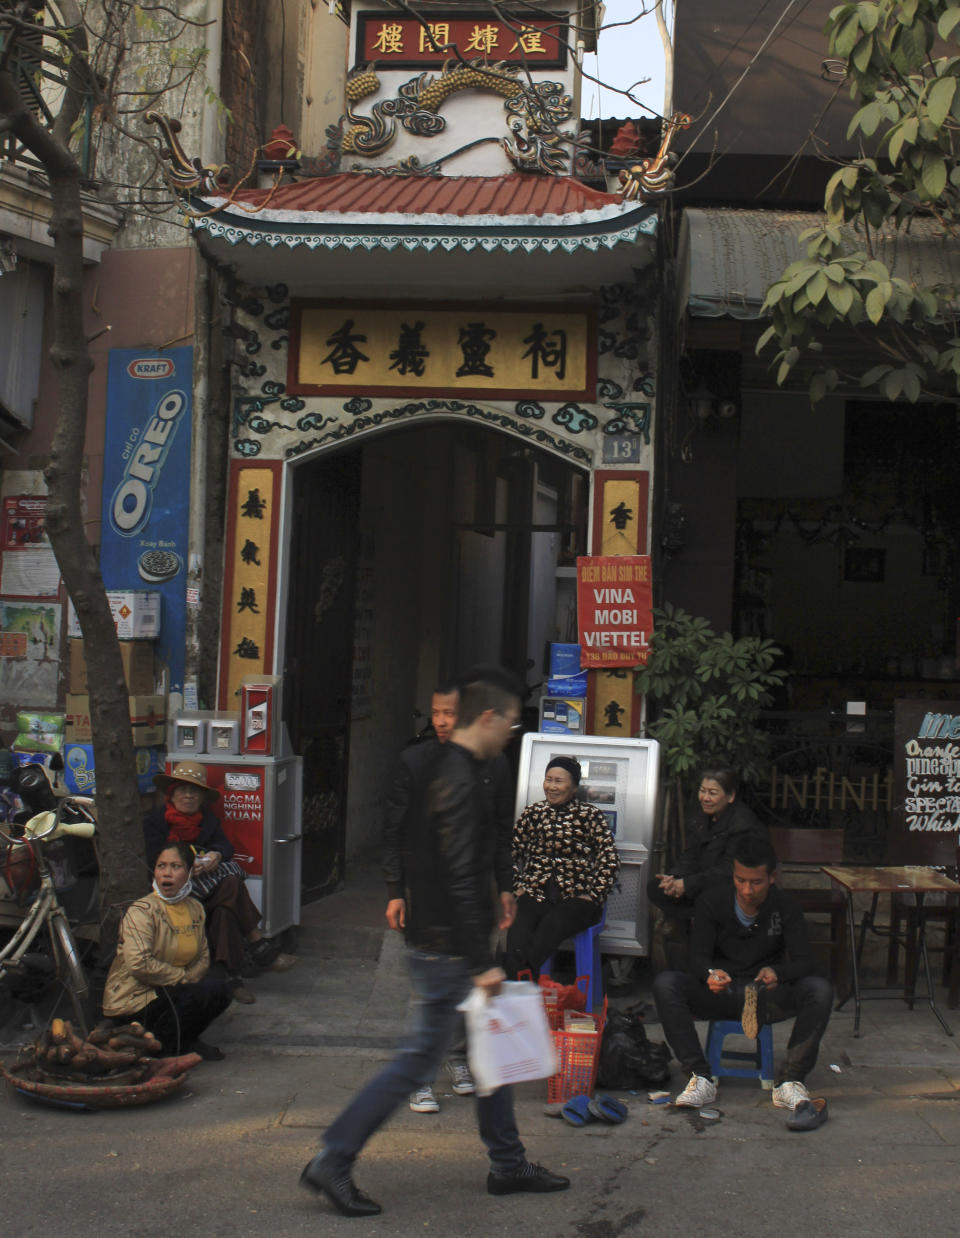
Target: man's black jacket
(777, 939)
(442, 852)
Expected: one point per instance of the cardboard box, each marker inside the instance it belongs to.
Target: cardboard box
(564, 660)
(146, 713)
(80, 774)
(136, 614)
(137, 659)
(567, 685)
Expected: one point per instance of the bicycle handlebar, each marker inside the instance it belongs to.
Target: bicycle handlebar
(47, 825)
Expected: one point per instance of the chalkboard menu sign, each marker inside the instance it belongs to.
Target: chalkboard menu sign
(926, 783)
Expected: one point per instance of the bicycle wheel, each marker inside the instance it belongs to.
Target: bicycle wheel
(70, 968)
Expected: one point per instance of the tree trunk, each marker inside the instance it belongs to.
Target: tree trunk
(123, 876)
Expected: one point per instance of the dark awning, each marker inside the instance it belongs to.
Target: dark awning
(728, 258)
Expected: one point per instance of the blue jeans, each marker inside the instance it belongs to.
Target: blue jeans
(440, 983)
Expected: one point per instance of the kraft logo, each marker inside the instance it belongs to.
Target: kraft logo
(133, 498)
(151, 367)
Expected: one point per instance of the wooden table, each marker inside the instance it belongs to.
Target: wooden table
(857, 879)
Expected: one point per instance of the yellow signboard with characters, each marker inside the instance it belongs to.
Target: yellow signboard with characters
(344, 347)
(250, 576)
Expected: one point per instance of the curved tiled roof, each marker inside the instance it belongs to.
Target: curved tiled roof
(365, 193)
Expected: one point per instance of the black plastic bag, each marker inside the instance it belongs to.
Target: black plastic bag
(627, 1058)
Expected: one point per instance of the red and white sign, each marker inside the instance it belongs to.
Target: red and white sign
(151, 367)
(240, 808)
(614, 610)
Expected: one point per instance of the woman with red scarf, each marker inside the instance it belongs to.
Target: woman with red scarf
(232, 918)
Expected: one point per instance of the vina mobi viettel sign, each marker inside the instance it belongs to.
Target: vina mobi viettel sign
(614, 610)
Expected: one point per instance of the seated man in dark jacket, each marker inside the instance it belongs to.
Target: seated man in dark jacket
(750, 959)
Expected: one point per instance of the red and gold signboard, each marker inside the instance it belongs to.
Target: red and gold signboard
(393, 39)
(614, 610)
(341, 347)
(250, 578)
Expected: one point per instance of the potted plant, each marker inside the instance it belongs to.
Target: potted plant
(707, 691)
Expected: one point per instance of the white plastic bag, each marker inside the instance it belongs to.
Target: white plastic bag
(508, 1038)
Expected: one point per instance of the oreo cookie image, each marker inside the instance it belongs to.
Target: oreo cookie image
(156, 566)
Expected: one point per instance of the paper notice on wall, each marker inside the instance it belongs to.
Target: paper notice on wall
(29, 567)
(29, 573)
(30, 632)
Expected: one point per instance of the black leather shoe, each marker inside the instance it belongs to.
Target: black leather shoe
(528, 1178)
(339, 1188)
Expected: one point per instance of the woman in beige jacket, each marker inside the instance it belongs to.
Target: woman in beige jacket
(160, 975)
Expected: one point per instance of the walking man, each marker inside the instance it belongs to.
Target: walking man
(495, 775)
(449, 843)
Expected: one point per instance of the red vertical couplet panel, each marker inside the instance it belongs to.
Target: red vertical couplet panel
(620, 501)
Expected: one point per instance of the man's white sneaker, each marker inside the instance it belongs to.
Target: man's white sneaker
(790, 1094)
(699, 1091)
(424, 1101)
(461, 1079)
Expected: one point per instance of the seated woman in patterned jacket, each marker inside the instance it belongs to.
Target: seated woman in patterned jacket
(564, 864)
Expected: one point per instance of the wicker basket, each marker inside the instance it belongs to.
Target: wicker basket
(578, 1055)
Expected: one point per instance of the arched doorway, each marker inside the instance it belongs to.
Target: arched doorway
(413, 555)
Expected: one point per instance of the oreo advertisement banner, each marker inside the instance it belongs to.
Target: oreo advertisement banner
(146, 491)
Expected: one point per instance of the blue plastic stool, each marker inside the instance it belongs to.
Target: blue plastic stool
(586, 949)
(761, 1056)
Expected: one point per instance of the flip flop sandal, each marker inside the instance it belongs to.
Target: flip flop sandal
(576, 1112)
(808, 1115)
(608, 1109)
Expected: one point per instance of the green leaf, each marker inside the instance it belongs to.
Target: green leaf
(893, 384)
(948, 22)
(818, 388)
(817, 288)
(934, 178)
(874, 375)
(940, 97)
(841, 297)
(875, 304)
(765, 339)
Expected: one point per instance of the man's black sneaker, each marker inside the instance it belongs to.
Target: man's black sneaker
(754, 1008)
(527, 1178)
(339, 1188)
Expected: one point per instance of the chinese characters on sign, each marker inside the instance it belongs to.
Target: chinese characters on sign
(391, 39)
(252, 539)
(379, 350)
(614, 612)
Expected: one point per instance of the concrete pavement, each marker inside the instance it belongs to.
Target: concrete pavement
(223, 1157)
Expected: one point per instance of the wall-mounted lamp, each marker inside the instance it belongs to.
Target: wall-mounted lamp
(702, 402)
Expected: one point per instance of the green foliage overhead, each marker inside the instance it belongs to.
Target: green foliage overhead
(907, 126)
(710, 690)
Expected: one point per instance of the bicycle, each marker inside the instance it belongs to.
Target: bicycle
(17, 959)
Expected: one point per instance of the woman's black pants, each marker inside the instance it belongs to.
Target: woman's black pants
(180, 1013)
(540, 927)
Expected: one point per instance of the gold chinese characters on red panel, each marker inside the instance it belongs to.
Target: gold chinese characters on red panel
(401, 41)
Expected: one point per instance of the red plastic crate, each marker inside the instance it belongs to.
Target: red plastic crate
(578, 1056)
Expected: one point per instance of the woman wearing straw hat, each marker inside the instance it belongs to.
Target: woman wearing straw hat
(186, 816)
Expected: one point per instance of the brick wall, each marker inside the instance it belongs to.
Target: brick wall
(242, 81)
